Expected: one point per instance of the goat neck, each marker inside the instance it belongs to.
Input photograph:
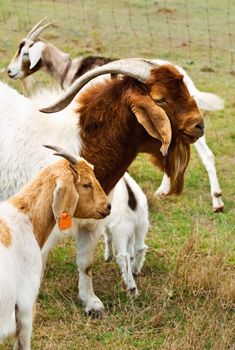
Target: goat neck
(81, 65)
(56, 63)
(112, 140)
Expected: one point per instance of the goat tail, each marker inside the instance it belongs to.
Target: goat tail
(208, 101)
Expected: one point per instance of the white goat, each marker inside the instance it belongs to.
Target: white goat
(65, 189)
(34, 53)
(126, 228)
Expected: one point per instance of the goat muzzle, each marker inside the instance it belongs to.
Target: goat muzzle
(193, 131)
(106, 211)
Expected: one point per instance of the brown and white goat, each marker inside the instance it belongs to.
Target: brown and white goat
(148, 110)
(35, 53)
(65, 189)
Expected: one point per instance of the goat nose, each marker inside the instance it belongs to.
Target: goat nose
(109, 206)
(200, 126)
(8, 71)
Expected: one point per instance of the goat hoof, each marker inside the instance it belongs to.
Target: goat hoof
(160, 194)
(218, 209)
(133, 292)
(135, 273)
(97, 314)
(108, 258)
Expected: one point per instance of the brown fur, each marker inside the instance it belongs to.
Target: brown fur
(89, 63)
(36, 198)
(218, 194)
(88, 270)
(26, 63)
(112, 136)
(131, 197)
(5, 234)
(27, 71)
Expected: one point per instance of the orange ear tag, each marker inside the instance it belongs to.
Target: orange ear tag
(65, 221)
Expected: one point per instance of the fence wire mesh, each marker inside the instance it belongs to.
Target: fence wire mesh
(181, 30)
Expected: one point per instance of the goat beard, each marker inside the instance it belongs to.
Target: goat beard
(175, 164)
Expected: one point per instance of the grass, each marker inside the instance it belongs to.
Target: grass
(187, 298)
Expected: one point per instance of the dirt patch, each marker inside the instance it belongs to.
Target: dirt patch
(166, 10)
(207, 69)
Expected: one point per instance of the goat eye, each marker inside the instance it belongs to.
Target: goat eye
(160, 100)
(88, 185)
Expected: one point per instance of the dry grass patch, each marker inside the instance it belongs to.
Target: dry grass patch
(203, 288)
(204, 273)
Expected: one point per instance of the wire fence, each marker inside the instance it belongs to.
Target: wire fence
(184, 30)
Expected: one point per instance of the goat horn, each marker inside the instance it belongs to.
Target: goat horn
(62, 153)
(35, 27)
(133, 67)
(38, 29)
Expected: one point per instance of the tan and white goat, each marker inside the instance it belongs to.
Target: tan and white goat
(62, 190)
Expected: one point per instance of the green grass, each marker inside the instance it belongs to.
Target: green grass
(187, 288)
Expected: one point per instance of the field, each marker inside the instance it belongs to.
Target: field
(187, 288)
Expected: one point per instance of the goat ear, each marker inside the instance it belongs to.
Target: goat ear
(35, 53)
(65, 200)
(154, 119)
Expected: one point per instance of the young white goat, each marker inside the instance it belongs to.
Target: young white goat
(34, 53)
(125, 230)
(62, 190)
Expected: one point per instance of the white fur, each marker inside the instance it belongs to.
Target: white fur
(23, 131)
(27, 130)
(20, 273)
(14, 69)
(35, 53)
(125, 231)
(20, 254)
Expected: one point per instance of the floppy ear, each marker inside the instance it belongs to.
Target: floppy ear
(35, 53)
(65, 200)
(153, 118)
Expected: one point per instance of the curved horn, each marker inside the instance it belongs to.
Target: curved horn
(35, 27)
(133, 67)
(62, 153)
(36, 34)
(38, 29)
